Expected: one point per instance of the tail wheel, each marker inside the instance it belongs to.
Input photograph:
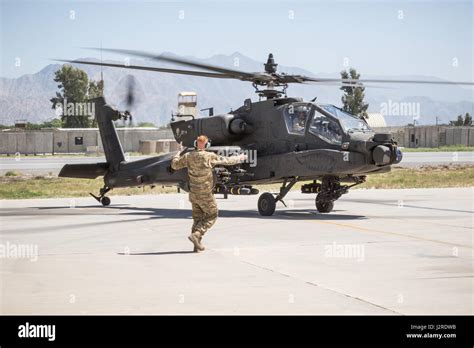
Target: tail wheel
(105, 201)
(324, 206)
(266, 204)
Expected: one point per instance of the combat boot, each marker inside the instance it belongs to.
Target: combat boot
(195, 249)
(196, 238)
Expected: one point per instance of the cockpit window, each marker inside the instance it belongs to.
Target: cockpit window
(296, 116)
(326, 128)
(348, 121)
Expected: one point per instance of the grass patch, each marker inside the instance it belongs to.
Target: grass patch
(22, 187)
(22, 194)
(12, 173)
(403, 178)
(424, 177)
(51, 186)
(450, 148)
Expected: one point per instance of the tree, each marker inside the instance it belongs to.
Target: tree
(468, 119)
(353, 98)
(96, 89)
(75, 90)
(73, 85)
(462, 121)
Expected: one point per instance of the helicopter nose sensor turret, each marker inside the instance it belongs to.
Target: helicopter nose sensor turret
(386, 151)
(382, 155)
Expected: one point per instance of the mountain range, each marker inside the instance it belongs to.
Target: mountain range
(27, 97)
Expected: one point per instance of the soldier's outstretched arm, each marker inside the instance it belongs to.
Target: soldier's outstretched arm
(226, 161)
(179, 162)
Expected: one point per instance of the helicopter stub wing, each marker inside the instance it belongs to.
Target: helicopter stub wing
(84, 170)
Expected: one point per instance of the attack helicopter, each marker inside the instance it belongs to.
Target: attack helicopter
(290, 140)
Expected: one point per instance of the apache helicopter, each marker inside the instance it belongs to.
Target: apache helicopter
(294, 140)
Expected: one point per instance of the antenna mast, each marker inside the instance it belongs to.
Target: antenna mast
(101, 71)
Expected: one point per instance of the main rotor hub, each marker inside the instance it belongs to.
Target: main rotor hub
(270, 65)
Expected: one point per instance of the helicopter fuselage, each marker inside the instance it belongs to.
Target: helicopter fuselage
(284, 138)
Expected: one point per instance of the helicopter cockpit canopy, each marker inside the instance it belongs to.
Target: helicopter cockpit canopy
(349, 122)
(296, 116)
(326, 128)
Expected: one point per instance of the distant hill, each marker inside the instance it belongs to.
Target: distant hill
(27, 97)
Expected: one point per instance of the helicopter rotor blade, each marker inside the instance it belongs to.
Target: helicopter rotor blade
(237, 74)
(426, 82)
(257, 78)
(149, 68)
(353, 85)
(306, 79)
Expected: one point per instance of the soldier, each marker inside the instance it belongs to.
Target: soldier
(299, 120)
(201, 184)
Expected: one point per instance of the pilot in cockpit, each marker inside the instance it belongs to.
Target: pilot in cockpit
(299, 119)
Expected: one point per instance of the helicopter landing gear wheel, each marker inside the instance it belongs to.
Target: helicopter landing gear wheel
(101, 198)
(105, 201)
(266, 204)
(324, 206)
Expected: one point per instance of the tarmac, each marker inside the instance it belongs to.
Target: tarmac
(386, 252)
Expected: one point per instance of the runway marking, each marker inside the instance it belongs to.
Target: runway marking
(426, 221)
(365, 229)
(319, 286)
(448, 277)
(408, 206)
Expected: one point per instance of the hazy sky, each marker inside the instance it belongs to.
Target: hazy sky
(377, 37)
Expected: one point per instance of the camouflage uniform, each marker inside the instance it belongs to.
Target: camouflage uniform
(201, 184)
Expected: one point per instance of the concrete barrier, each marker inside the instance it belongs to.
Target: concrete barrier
(173, 145)
(147, 147)
(163, 146)
(430, 136)
(26, 142)
(166, 145)
(7, 143)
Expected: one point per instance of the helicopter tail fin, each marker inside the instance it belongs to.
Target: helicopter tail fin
(105, 115)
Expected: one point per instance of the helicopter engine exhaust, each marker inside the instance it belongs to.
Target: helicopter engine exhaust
(238, 126)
